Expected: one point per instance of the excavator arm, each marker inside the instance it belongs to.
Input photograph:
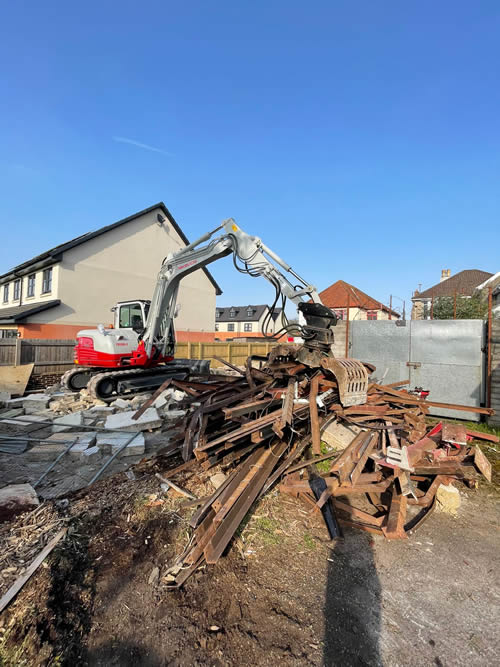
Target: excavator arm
(315, 319)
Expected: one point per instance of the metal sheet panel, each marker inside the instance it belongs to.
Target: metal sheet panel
(452, 363)
(383, 344)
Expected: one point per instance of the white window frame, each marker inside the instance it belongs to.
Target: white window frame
(230, 326)
(17, 290)
(232, 312)
(47, 281)
(31, 283)
(247, 326)
(6, 293)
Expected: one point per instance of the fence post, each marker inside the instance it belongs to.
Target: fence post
(17, 360)
(488, 376)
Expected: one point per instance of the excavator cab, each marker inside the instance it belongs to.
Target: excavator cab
(131, 315)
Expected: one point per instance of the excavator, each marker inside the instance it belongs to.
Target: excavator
(133, 357)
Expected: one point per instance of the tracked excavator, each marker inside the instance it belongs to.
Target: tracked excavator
(133, 357)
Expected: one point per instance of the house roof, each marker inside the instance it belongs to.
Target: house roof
(241, 314)
(55, 254)
(336, 296)
(463, 282)
(19, 313)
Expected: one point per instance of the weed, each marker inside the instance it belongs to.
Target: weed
(309, 542)
(266, 530)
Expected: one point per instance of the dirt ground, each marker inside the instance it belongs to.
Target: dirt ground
(280, 595)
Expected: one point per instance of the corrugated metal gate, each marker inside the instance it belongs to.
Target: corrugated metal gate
(447, 357)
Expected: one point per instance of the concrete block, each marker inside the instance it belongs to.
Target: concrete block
(448, 498)
(123, 421)
(67, 421)
(120, 404)
(91, 455)
(33, 419)
(173, 415)
(99, 411)
(15, 402)
(338, 435)
(17, 498)
(49, 452)
(4, 398)
(112, 442)
(35, 403)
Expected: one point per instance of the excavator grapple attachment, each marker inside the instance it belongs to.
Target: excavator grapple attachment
(352, 379)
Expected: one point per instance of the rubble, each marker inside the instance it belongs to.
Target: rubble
(124, 421)
(15, 499)
(245, 432)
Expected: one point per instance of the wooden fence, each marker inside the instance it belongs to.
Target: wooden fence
(56, 356)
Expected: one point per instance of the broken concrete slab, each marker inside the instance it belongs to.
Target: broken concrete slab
(90, 455)
(339, 435)
(121, 404)
(123, 421)
(47, 452)
(65, 422)
(11, 413)
(4, 397)
(218, 479)
(99, 411)
(15, 499)
(35, 403)
(112, 442)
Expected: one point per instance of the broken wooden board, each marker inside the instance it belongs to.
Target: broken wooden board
(482, 463)
(14, 379)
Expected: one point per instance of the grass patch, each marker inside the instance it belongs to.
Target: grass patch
(324, 466)
(309, 542)
(265, 530)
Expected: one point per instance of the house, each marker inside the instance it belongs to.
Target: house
(342, 296)
(74, 285)
(462, 283)
(483, 290)
(248, 321)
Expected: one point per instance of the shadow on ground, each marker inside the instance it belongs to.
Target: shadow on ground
(352, 607)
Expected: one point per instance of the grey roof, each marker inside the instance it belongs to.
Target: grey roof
(55, 254)
(19, 313)
(241, 314)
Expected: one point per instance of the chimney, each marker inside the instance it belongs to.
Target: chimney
(445, 274)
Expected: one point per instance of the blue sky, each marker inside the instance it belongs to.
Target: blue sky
(359, 140)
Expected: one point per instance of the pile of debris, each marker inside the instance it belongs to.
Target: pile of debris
(253, 428)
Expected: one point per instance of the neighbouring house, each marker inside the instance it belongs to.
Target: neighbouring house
(483, 290)
(243, 321)
(74, 285)
(463, 283)
(342, 297)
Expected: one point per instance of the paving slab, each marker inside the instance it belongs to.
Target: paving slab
(112, 442)
(91, 455)
(47, 452)
(123, 421)
(36, 403)
(65, 422)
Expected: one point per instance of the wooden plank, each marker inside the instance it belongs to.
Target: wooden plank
(482, 463)
(35, 564)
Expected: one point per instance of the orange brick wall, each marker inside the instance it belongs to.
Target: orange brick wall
(69, 331)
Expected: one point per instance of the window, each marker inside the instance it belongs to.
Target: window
(47, 281)
(17, 290)
(8, 333)
(247, 326)
(249, 312)
(217, 314)
(6, 293)
(131, 316)
(230, 326)
(31, 285)
(232, 312)
(341, 314)
(217, 326)
(371, 315)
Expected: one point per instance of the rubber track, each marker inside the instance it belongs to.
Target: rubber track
(69, 374)
(93, 384)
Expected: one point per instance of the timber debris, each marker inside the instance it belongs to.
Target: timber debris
(255, 428)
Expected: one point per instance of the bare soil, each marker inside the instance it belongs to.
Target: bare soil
(279, 595)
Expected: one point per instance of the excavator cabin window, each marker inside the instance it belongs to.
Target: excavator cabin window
(131, 316)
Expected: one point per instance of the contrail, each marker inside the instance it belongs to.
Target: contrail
(124, 140)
